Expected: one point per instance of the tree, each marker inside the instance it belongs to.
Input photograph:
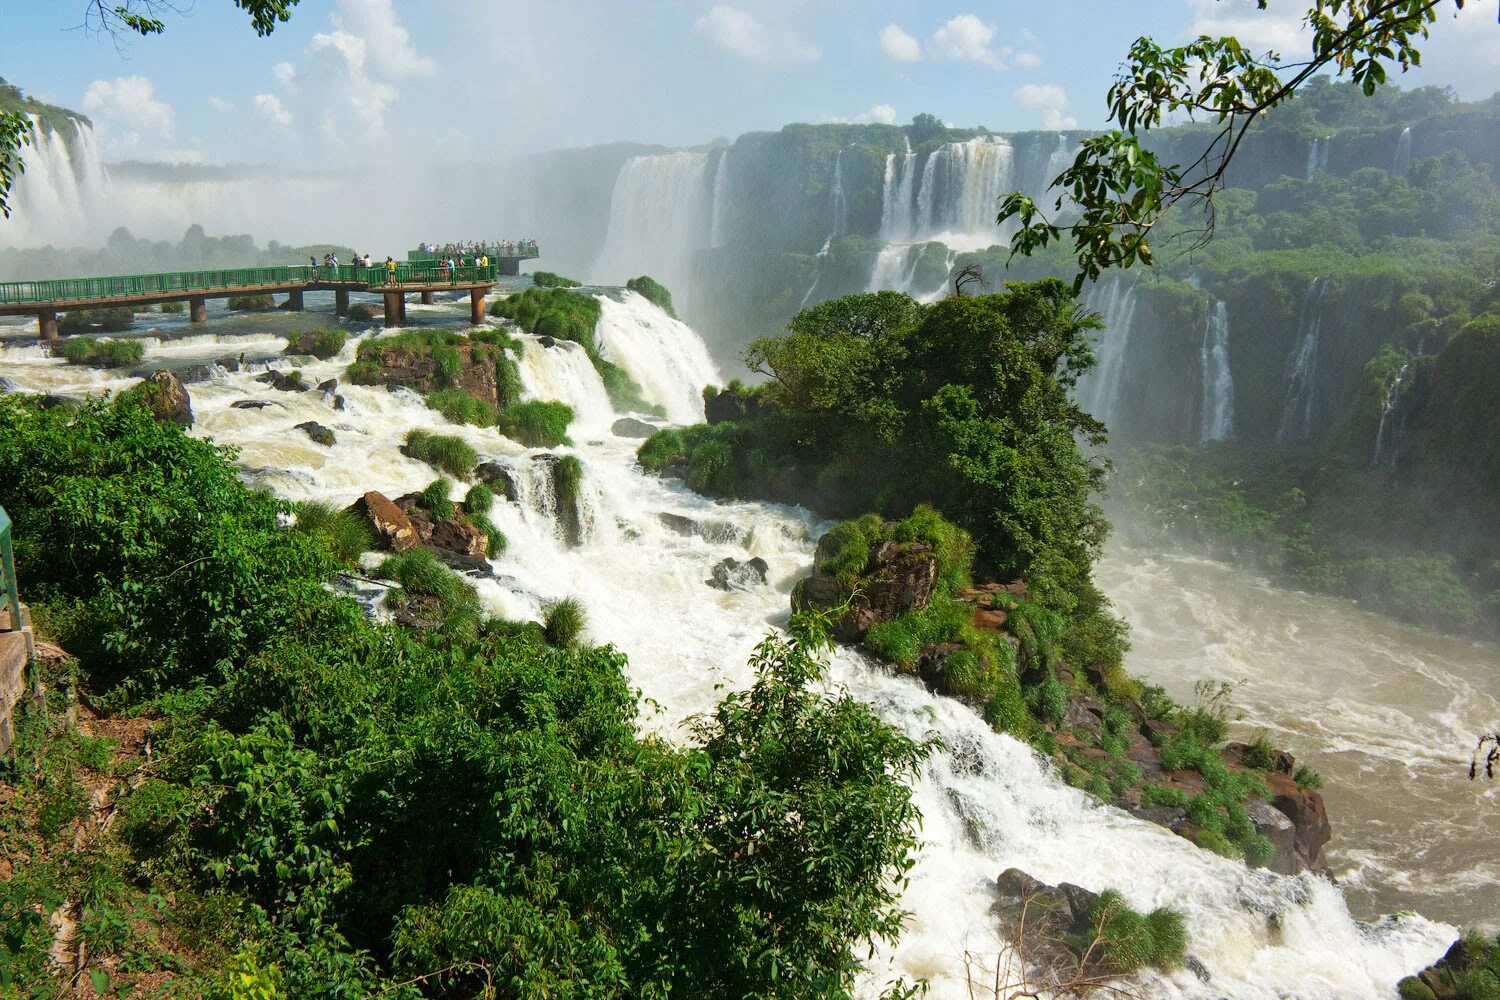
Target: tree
(140, 17)
(1122, 190)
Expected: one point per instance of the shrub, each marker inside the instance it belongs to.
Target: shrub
(1260, 754)
(479, 499)
(1306, 778)
(564, 622)
(651, 289)
(1007, 713)
(250, 303)
(342, 532)
(110, 320)
(173, 307)
(661, 449)
(849, 544)
(452, 455)
(434, 497)
(322, 344)
(459, 407)
(1131, 941)
(362, 312)
(1478, 984)
(546, 279)
(536, 423)
(103, 353)
(421, 572)
(1412, 988)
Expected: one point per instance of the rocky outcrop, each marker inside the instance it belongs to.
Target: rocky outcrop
(731, 574)
(1468, 970)
(393, 530)
(732, 403)
(630, 427)
(416, 369)
(502, 478)
(168, 400)
(251, 404)
(284, 381)
(453, 539)
(709, 529)
(320, 434)
(1302, 807)
(899, 577)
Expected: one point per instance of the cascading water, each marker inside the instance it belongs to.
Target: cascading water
(1218, 383)
(1401, 162)
(987, 801)
(840, 207)
(664, 355)
(1099, 390)
(896, 267)
(1317, 156)
(61, 186)
(564, 373)
(962, 183)
(897, 222)
(1388, 435)
(720, 201)
(1302, 367)
(659, 215)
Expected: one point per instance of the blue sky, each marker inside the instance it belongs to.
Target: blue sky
(467, 80)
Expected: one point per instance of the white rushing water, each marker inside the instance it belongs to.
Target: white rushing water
(1388, 434)
(660, 210)
(1218, 383)
(987, 802)
(1317, 156)
(720, 205)
(839, 208)
(58, 191)
(1401, 162)
(1099, 390)
(1302, 367)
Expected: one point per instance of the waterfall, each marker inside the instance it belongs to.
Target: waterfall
(1099, 390)
(665, 356)
(962, 183)
(564, 373)
(896, 220)
(1388, 434)
(659, 217)
(1317, 155)
(896, 267)
(840, 206)
(1302, 367)
(1401, 163)
(63, 186)
(721, 192)
(1218, 383)
(987, 801)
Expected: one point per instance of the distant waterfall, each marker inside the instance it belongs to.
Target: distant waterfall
(1302, 367)
(1401, 163)
(1099, 391)
(1317, 156)
(897, 219)
(1218, 383)
(1388, 435)
(959, 196)
(896, 267)
(721, 190)
(60, 190)
(665, 356)
(659, 216)
(840, 205)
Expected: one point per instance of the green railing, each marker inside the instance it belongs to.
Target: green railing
(521, 251)
(10, 595)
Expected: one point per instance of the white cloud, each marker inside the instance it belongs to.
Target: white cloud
(285, 73)
(1050, 101)
(742, 34)
(880, 114)
(387, 42)
(898, 45)
(131, 120)
(1280, 30)
(966, 38)
(220, 105)
(268, 108)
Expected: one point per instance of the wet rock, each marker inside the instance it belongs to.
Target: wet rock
(231, 362)
(546, 341)
(338, 402)
(731, 574)
(630, 427)
(452, 535)
(194, 374)
(1274, 825)
(1305, 809)
(251, 404)
(501, 477)
(565, 494)
(167, 398)
(8, 385)
(332, 385)
(710, 530)
(899, 577)
(283, 381)
(320, 434)
(393, 529)
(732, 403)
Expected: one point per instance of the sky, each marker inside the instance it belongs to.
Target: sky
(465, 81)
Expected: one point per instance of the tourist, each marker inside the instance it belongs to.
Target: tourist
(390, 269)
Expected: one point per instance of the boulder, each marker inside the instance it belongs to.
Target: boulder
(630, 427)
(283, 381)
(546, 341)
(460, 537)
(501, 477)
(251, 404)
(194, 374)
(733, 403)
(710, 530)
(231, 362)
(393, 529)
(1309, 817)
(320, 434)
(899, 577)
(167, 398)
(331, 385)
(731, 574)
(1274, 825)
(338, 402)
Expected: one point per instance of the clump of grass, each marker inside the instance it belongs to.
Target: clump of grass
(459, 407)
(1131, 941)
(495, 539)
(447, 362)
(322, 344)
(479, 499)
(434, 497)
(567, 476)
(250, 303)
(420, 572)
(661, 449)
(445, 452)
(340, 531)
(1306, 778)
(365, 373)
(173, 307)
(654, 291)
(537, 423)
(564, 622)
(103, 353)
(546, 279)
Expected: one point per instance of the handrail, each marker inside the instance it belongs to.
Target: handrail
(10, 595)
(520, 250)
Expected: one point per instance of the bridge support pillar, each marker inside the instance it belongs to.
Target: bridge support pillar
(427, 298)
(294, 300)
(509, 265)
(46, 321)
(341, 301)
(476, 305)
(198, 309)
(395, 308)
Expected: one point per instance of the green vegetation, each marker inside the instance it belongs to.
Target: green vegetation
(564, 622)
(654, 291)
(341, 807)
(250, 303)
(174, 308)
(1470, 971)
(1130, 941)
(362, 312)
(435, 497)
(536, 423)
(435, 361)
(479, 499)
(109, 320)
(445, 452)
(322, 344)
(459, 407)
(345, 535)
(103, 353)
(546, 279)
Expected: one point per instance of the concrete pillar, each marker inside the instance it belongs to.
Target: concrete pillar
(46, 321)
(294, 300)
(341, 301)
(509, 265)
(198, 310)
(395, 307)
(427, 298)
(476, 305)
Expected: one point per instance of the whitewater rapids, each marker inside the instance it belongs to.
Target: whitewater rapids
(987, 802)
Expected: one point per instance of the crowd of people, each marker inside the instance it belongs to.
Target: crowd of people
(474, 248)
(450, 256)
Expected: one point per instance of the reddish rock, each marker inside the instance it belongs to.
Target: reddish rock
(168, 400)
(458, 536)
(416, 370)
(1304, 807)
(393, 529)
(900, 577)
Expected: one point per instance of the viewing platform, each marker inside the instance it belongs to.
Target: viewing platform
(424, 275)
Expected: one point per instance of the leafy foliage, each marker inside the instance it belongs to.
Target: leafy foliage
(345, 535)
(546, 279)
(446, 452)
(536, 423)
(654, 292)
(103, 353)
